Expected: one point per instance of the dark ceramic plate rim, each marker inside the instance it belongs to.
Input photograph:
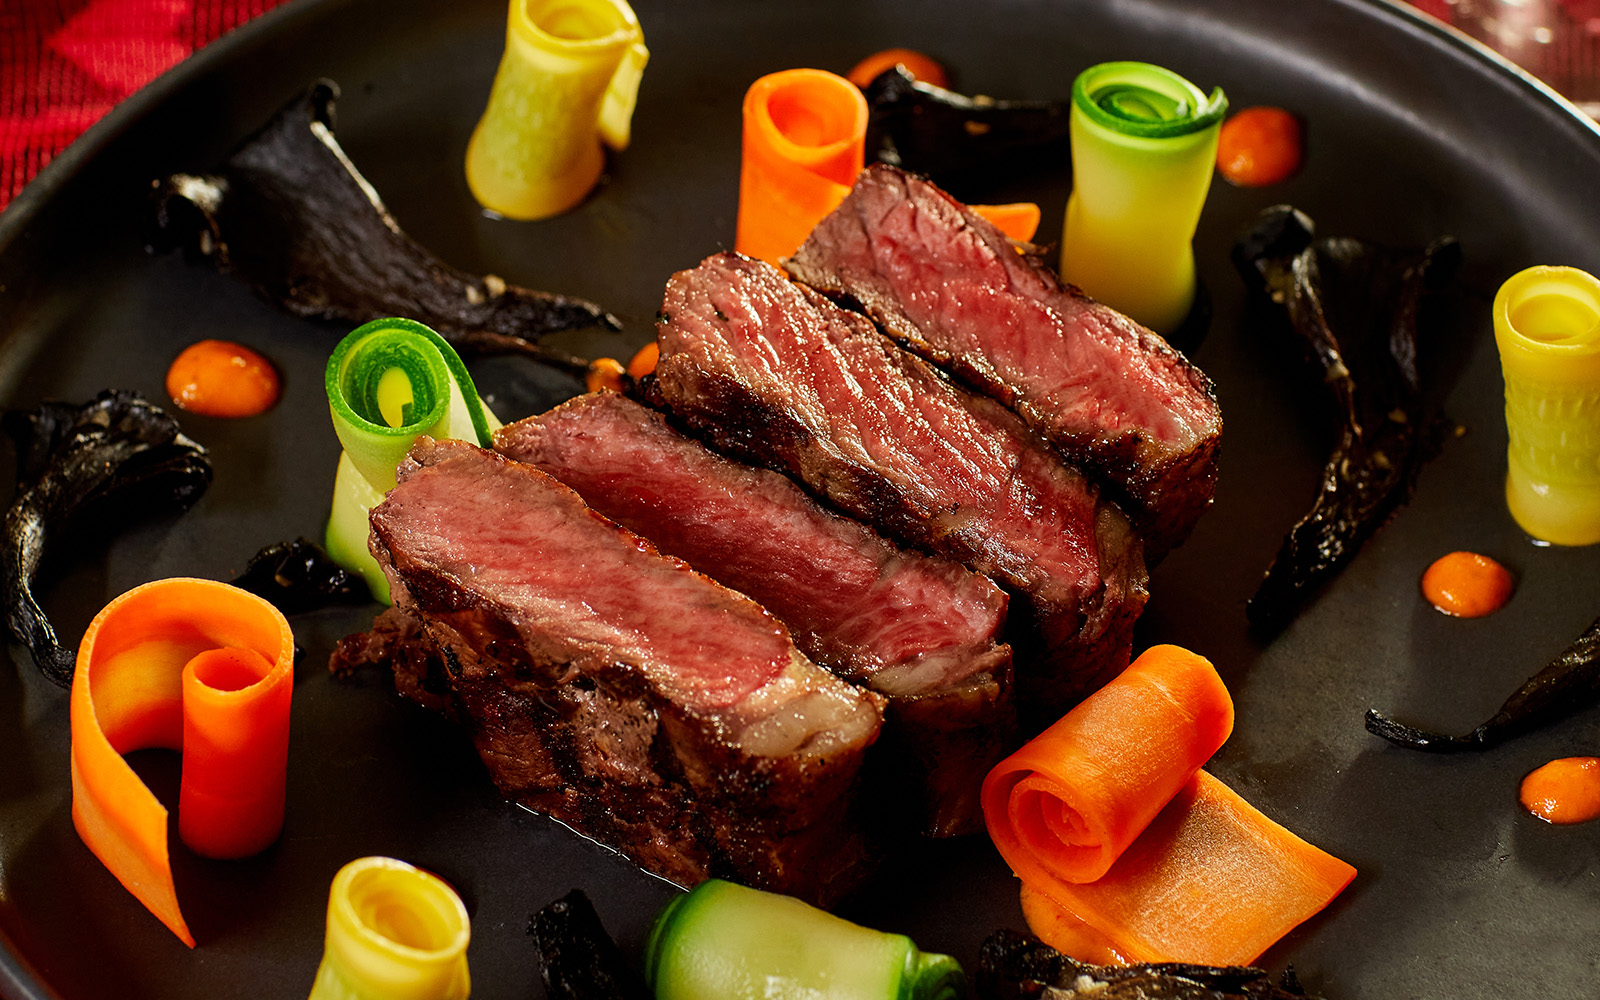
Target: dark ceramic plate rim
(17, 978)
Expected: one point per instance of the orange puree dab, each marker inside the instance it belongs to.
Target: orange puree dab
(218, 378)
(1467, 585)
(920, 66)
(605, 375)
(644, 362)
(1259, 146)
(1564, 791)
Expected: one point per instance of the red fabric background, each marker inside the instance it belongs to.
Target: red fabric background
(65, 63)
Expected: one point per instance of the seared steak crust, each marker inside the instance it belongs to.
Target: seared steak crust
(617, 690)
(919, 629)
(774, 373)
(1114, 397)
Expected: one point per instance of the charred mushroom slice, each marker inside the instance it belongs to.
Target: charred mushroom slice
(291, 214)
(299, 576)
(1355, 309)
(1568, 683)
(113, 459)
(1014, 966)
(954, 138)
(577, 958)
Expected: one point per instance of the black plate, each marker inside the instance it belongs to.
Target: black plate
(1414, 133)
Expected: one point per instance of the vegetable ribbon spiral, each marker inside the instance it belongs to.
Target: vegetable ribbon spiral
(723, 941)
(567, 83)
(1144, 141)
(1547, 327)
(389, 382)
(395, 932)
(191, 665)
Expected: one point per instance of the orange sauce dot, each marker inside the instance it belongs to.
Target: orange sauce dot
(605, 375)
(1564, 791)
(1259, 146)
(921, 67)
(644, 362)
(1467, 585)
(218, 378)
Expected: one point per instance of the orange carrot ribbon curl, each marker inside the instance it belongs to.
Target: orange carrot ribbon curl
(805, 133)
(1127, 851)
(191, 665)
(804, 142)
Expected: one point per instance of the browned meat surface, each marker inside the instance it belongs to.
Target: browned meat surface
(774, 373)
(1111, 395)
(619, 691)
(919, 629)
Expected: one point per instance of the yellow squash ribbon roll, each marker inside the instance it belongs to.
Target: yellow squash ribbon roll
(566, 85)
(1547, 327)
(395, 932)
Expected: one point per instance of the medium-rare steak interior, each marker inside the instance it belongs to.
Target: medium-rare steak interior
(1114, 397)
(616, 689)
(919, 629)
(775, 374)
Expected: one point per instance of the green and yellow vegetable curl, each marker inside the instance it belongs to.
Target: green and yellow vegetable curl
(723, 941)
(1144, 142)
(390, 382)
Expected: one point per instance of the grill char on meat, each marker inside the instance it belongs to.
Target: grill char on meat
(918, 629)
(1112, 396)
(774, 373)
(616, 689)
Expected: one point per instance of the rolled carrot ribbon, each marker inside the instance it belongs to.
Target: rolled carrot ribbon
(191, 665)
(1128, 851)
(1077, 795)
(805, 137)
(805, 134)
(235, 751)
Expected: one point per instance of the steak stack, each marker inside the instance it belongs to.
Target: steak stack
(917, 629)
(1112, 396)
(558, 597)
(775, 374)
(617, 690)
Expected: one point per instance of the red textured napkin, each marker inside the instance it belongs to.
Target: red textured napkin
(65, 63)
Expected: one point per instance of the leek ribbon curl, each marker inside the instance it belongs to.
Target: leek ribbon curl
(1144, 144)
(389, 382)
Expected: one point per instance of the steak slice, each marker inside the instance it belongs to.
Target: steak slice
(619, 691)
(1112, 396)
(774, 373)
(919, 629)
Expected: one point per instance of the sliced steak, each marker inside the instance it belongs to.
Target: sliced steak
(1114, 397)
(918, 629)
(774, 373)
(619, 691)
